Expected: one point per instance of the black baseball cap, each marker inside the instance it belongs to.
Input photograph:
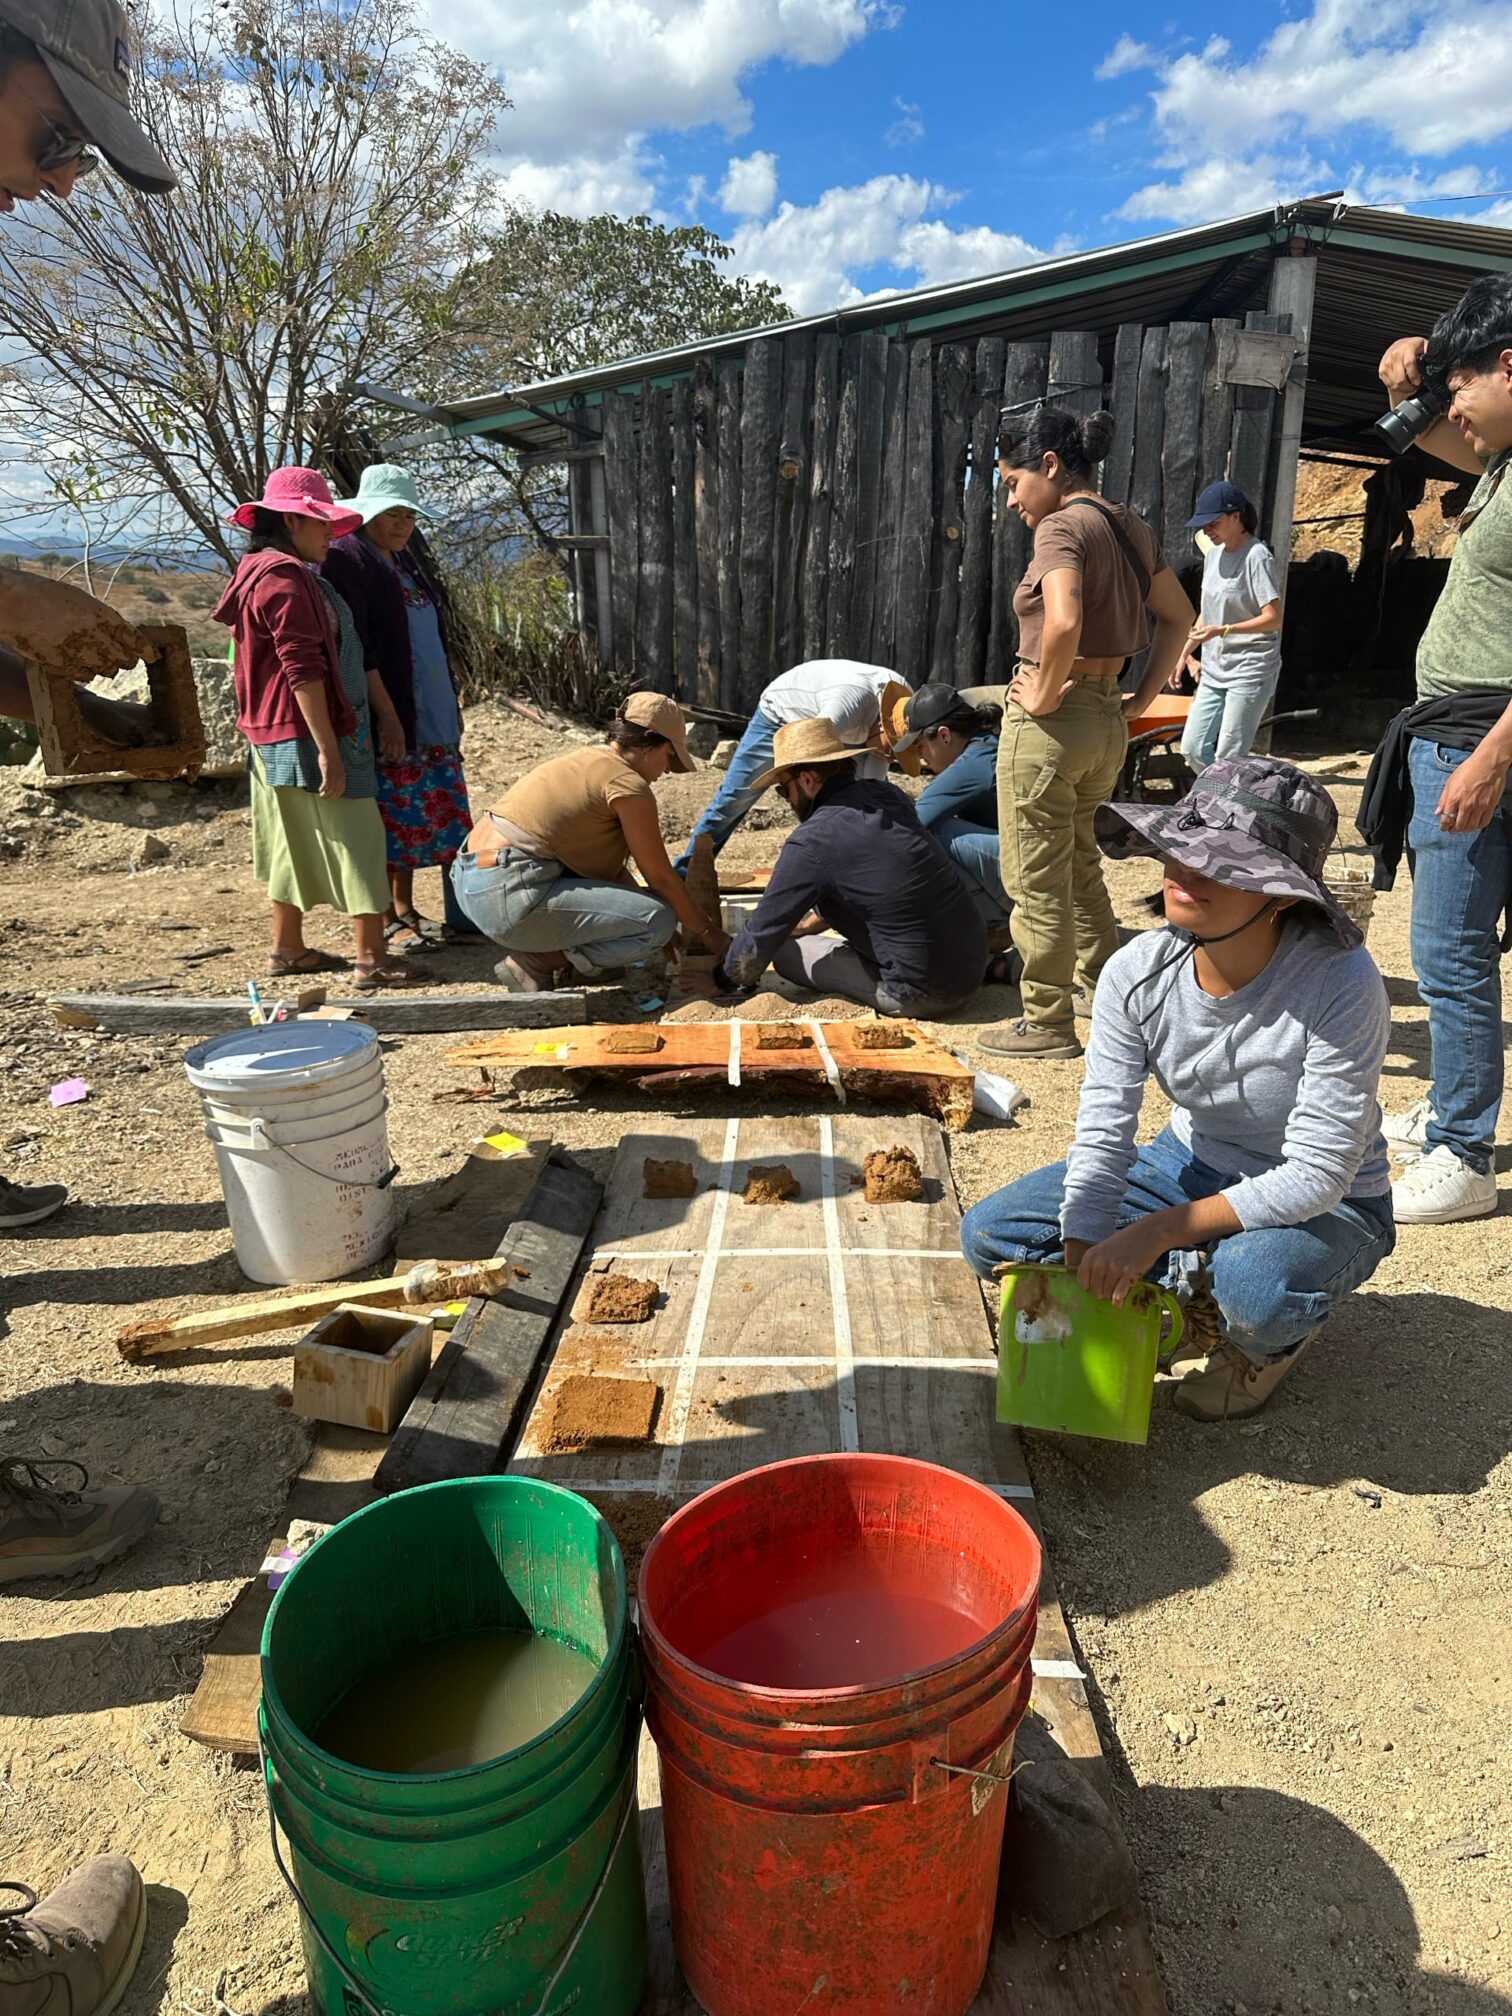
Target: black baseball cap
(928, 707)
(87, 49)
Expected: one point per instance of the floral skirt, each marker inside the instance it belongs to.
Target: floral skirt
(423, 799)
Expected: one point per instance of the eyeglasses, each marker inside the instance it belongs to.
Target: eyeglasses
(63, 148)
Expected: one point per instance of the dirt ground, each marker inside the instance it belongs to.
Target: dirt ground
(1299, 1628)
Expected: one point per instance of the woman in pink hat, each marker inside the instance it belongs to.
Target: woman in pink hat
(302, 703)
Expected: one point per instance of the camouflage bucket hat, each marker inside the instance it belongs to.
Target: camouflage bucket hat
(1249, 822)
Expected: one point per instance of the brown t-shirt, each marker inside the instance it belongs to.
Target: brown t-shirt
(1078, 536)
(567, 808)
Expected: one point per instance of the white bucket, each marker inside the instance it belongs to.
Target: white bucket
(296, 1114)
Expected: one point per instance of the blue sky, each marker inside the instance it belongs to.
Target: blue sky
(847, 147)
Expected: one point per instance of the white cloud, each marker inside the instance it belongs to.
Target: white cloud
(815, 252)
(1125, 55)
(749, 188)
(622, 182)
(907, 128)
(1226, 187)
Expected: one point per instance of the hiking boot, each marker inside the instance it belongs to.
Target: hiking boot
(47, 1529)
(1407, 1132)
(73, 1953)
(1202, 1332)
(1081, 1004)
(1439, 1189)
(1024, 1038)
(1226, 1386)
(29, 1203)
(531, 972)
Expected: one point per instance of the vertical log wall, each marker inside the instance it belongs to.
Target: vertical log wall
(832, 496)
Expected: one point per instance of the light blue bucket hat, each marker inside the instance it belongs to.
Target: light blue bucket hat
(386, 486)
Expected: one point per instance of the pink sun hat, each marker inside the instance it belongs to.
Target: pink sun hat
(306, 494)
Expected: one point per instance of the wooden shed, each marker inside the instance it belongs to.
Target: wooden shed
(826, 487)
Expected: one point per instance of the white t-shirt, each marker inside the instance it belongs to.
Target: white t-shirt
(1236, 586)
(841, 689)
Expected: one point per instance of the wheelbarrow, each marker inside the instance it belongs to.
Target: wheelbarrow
(1155, 771)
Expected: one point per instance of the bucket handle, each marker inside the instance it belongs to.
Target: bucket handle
(261, 1138)
(377, 2008)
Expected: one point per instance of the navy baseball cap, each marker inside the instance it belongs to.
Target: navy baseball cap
(1214, 501)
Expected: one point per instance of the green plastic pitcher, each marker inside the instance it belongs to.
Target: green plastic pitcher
(1072, 1363)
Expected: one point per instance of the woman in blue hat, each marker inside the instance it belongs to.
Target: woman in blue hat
(1235, 645)
(417, 717)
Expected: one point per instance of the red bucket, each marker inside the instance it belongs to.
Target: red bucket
(821, 1638)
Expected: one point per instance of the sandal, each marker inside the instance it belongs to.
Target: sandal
(415, 940)
(366, 978)
(424, 927)
(1004, 969)
(308, 961)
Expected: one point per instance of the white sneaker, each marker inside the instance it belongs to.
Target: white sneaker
(1408, 1132)
(1439, 1189)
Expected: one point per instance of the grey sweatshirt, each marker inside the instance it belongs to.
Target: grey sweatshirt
(1274, 1086)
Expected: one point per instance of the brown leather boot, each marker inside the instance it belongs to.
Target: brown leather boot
(72, 1953)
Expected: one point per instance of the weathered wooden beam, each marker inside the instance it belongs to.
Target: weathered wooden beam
(1293, 285)
(1149, 431)
(706, 528)
(821, 484)
(428, 1015)
(1025, 369)
(551, 458)
(622, 480)
(1217, 406)
(1118, 470)
(842, 537)
(975, 616)
(871, 414)
(653, 644)
(911, 643)
(1186, 361)
(468, 1412)
(729, 538)
(684, 545)
(1076, 381)
(894, 463)
(1254, 409)
(792, 499)
(760, 425)
(952, 398)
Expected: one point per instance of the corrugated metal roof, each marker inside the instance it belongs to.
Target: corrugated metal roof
(1381, 273)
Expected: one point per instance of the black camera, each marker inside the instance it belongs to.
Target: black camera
(1404, 424)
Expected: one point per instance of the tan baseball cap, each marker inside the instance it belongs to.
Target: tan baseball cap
(807, 745)
(86, 46)
(662, 716)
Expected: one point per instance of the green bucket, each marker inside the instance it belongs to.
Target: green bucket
(1072, 1363)
(514, 1886)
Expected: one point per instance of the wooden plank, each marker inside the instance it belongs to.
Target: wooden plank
(916, 525)
(729, 538)
(1149, 432)
(470, 1407)
(758, 1379)
(917, 1071)
(842, 534)
(653, 643)
(975, 617)
(792, 499)
(1118, 470)
(706, 528)
(1076, 382)
(1250, 440)
(1186, 361)
(1293, 285)
(1217, 406)
(760, 421)
(894, 465)
(424, 1015)
(821, 486)
(622, 482)
(336, 1480)
(684, 545)
(1025, 370)
(466, 1214)
(871, 404)
(952, 399)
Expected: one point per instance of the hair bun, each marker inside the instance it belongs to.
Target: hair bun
(1097, 436)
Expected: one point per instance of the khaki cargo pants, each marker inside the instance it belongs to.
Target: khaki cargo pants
(1053, 771)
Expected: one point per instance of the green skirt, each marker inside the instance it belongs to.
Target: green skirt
(308, 850)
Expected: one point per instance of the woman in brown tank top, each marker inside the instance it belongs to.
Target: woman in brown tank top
(1081, 607)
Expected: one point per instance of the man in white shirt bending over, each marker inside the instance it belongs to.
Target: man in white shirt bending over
(841, 689)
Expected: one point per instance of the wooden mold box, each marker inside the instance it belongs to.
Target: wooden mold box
(914, 1072)
(70, 747)
(360, 1367)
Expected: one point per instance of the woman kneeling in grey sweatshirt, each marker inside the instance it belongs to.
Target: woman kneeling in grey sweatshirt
(1263, 1019)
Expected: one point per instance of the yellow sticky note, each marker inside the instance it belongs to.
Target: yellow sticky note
(553, 1049)
(507, 1144)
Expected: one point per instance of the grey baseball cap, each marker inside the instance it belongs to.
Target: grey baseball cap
(86, 46)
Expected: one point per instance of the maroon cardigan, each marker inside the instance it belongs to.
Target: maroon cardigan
(285, 638)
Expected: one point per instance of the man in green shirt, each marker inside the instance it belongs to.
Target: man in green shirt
(1459, 833)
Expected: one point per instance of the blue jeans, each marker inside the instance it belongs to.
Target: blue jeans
(734, 798)
(977, 853)
(1224, 721)
(527, 904)
(1275, 1287)
(1461, 883)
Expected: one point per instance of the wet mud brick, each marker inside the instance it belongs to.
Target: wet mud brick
(782, 1036)
(892, 1176)
(770, 1183)
(633, 1042)
(668, 1179)
(467, 1414)
(592, 1410)
(619, 1298)
(880, 1036)
(70, 747)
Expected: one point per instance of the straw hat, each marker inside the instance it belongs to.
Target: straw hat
(901, 737)
(807, 745)
(301, 493)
